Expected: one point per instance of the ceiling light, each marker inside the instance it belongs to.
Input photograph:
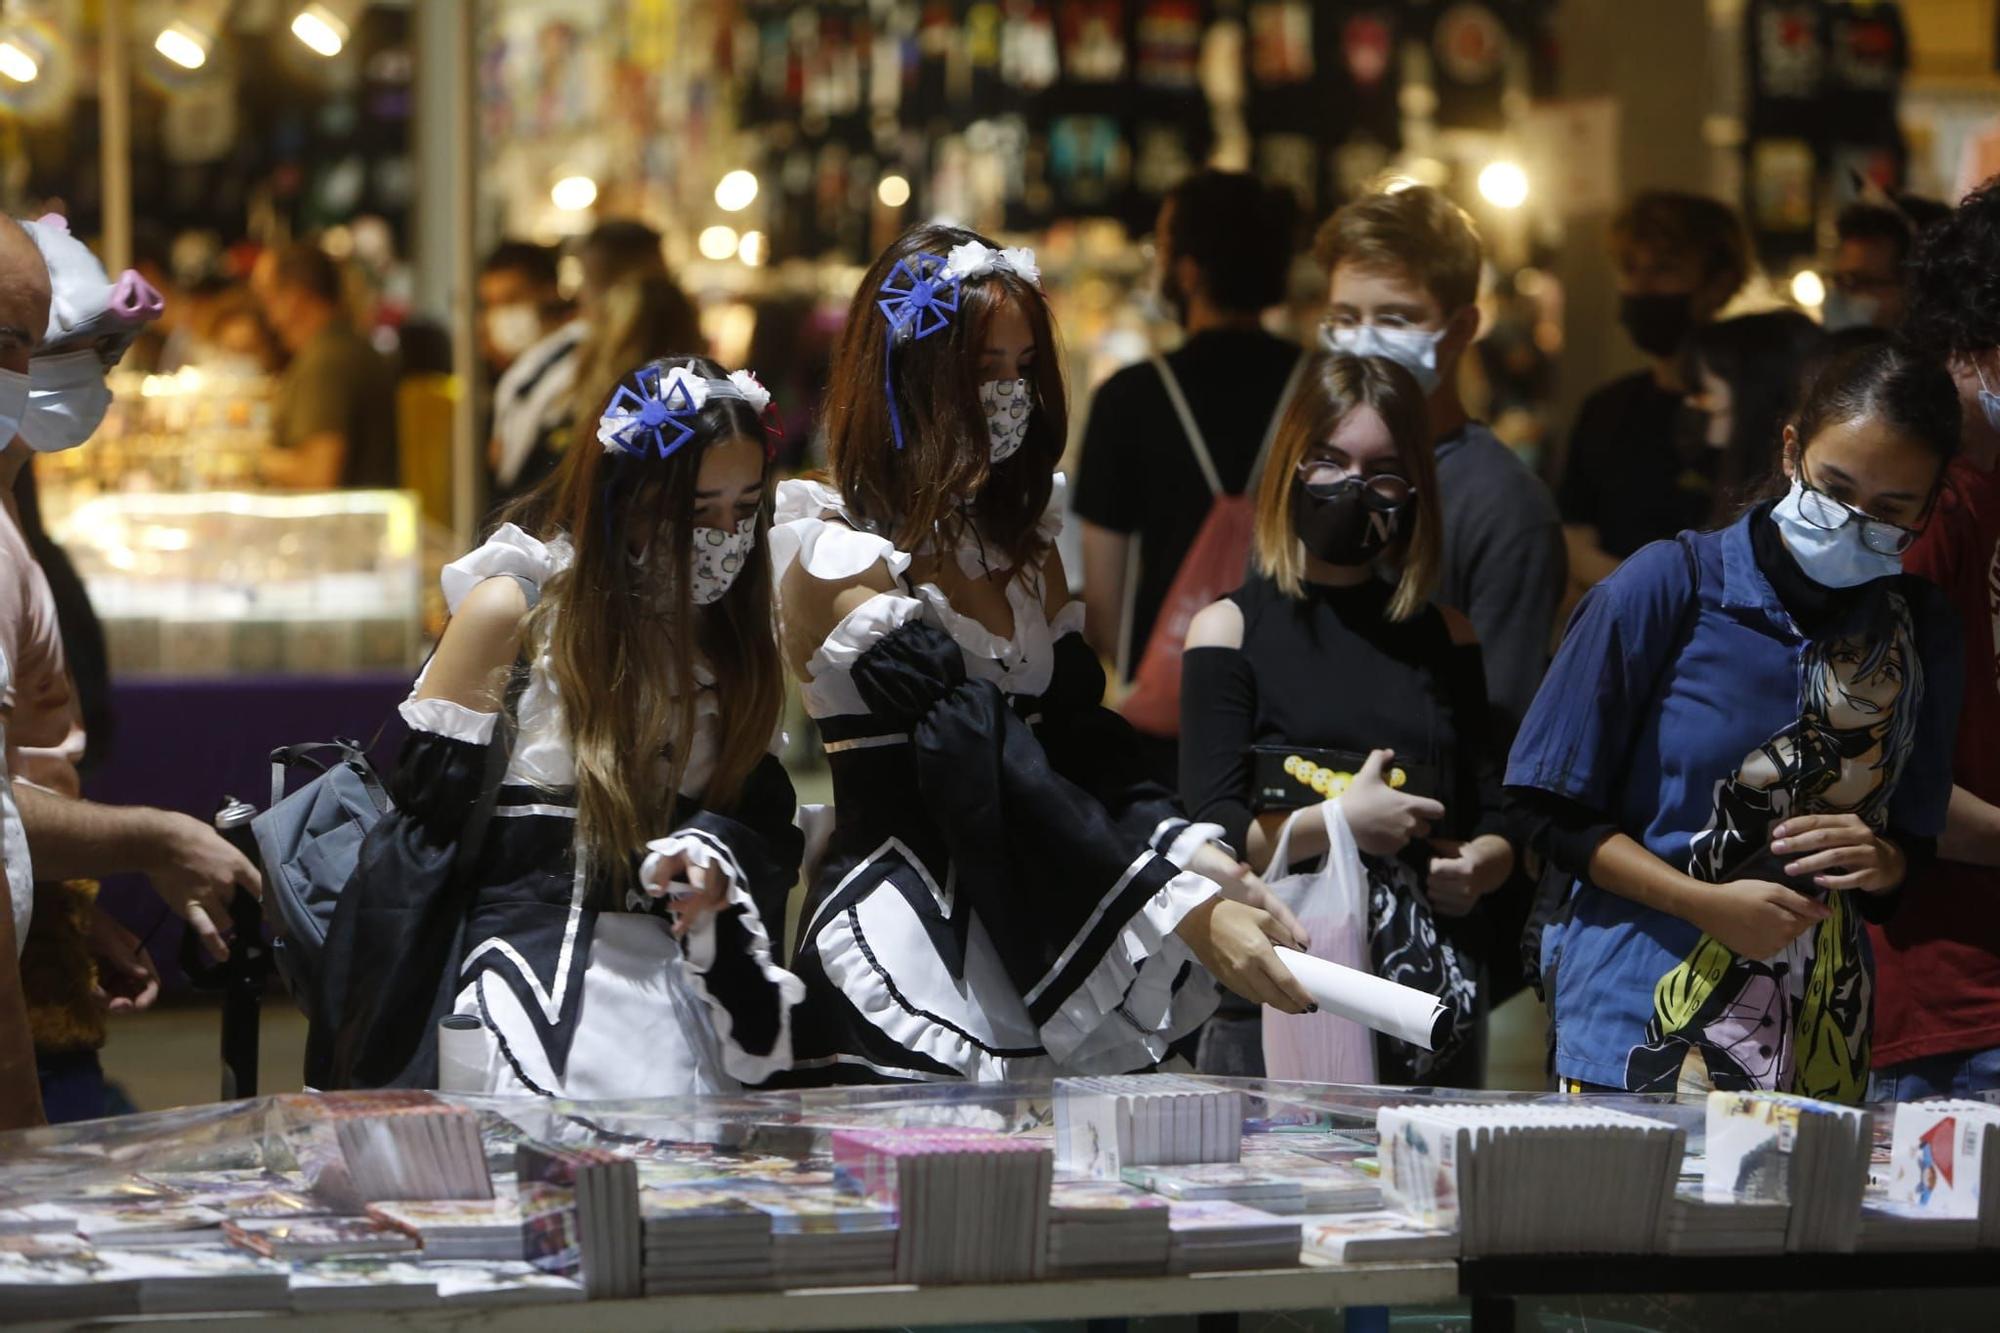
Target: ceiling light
(1504, 185)
(183, 45)
(736, 191)
(573, 194)
(16, 63)
(322, 30)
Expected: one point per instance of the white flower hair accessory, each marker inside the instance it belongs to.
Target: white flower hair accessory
(754, 393)
(975, 260)
(654, 411)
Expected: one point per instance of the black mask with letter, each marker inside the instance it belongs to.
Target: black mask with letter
(1346, 525)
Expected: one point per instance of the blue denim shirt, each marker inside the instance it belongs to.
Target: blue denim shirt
(1689, 709)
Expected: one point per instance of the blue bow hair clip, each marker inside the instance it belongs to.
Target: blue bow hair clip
(918, 298)
(641, 414)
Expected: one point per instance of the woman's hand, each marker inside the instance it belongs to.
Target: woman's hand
(1382, 819)
(1239, 883)
(1840, 852)
(1233, 941)
(1756, 919)
(696, 890)
(1464, 872)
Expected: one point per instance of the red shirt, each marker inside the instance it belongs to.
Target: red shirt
(1937, 962)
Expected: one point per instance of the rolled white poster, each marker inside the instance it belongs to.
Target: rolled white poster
(1399, 1011)
(465, 1054)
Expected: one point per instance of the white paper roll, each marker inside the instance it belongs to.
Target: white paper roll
(465, 1054)
(1399, 1011)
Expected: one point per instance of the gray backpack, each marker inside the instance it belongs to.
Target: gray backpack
(310, 840)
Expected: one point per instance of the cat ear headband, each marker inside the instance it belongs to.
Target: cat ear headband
(652, 413)
(920, 296)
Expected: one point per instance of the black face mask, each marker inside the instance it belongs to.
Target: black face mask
(1346, 527)
(1657, 324)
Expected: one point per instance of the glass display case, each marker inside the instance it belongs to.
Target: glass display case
(224, 583)
(196, 573)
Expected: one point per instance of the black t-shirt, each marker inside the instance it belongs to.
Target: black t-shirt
(1626, 476)
(1406, 687)
(1139, 475)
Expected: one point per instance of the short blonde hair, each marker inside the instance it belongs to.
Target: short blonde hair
(1415, 231)
(1332, 388)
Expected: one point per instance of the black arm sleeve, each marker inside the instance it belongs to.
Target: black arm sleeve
(1097, 749)
(1566, 833)
(1218, 723)
(1054, 878)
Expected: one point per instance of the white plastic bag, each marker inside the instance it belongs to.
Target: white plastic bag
(1331, 902)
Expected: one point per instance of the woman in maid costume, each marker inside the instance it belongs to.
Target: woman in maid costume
(621, 617)
(1002, 893)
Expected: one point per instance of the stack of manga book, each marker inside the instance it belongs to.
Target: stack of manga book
(1215, 1235)
(1532, 1179)
(973, 1206)
(1233, 1181)
(1104, 1125)
(698, 1241)
(317, 1237)
(1101, 1229)
(373, 1146)
(1776, 1147)
(1943, 1179)
(457, 1228)
(580, 1216)
(1376, 1236)
(819, 1237)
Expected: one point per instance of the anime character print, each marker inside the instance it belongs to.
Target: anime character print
(1798, 1020)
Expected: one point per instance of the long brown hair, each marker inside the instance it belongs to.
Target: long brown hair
(944, 469)
(624, 671)
(1331, 388)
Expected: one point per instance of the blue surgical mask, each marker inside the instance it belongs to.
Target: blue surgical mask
(1830, 557)
(1415, 350)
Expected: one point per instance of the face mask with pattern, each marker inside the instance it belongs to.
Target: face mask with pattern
(1008, 406)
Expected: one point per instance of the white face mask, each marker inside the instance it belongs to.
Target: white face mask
(513, 328)
(13, 404)
(1415, 350)
(719, 556)
(67, 399)
(1830, 557)
(1007, 405)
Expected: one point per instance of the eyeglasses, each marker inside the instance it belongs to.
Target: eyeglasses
(1323, 478)
(1831, 515)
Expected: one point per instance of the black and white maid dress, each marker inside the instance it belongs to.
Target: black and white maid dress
(582, 998)
(999, 890)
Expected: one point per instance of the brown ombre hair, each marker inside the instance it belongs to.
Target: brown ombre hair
(943, 472)
(622, 640)
(1332, 388)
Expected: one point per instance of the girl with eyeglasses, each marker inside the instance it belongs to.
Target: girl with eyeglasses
(1741, 752)
(1334, 645)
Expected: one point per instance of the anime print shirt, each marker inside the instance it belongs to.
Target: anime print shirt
(1688, 707)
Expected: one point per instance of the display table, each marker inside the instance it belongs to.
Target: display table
(1318, 1288)
(1494, 1284)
